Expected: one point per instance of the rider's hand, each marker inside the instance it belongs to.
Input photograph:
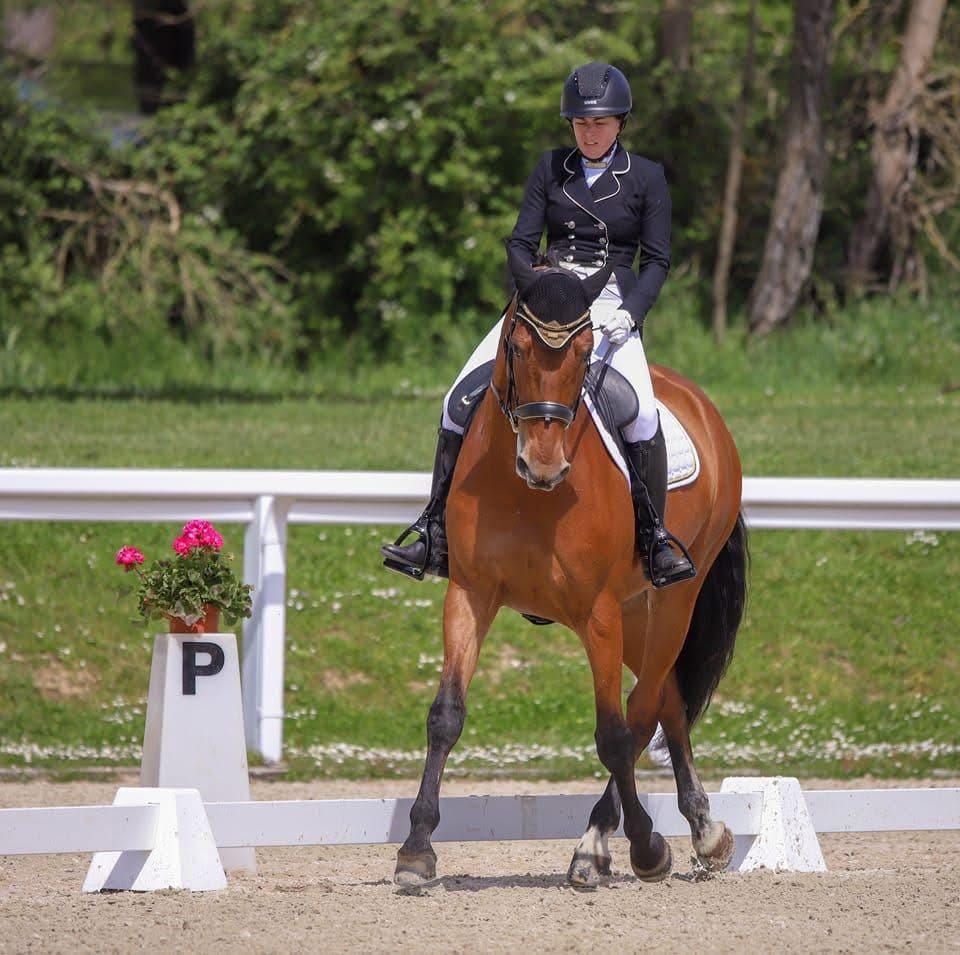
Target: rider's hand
(617, 327)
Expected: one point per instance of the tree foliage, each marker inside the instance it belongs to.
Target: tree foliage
(347, 172)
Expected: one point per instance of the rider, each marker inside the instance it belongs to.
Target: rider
(595, 201)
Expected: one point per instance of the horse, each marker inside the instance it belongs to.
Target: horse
(540, 519)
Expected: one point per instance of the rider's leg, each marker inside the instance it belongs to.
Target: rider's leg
(667, 560)
(428, 553)
(648, 468)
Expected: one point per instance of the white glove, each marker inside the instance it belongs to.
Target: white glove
(617, 327)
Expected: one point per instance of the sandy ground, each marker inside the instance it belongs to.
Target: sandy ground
(884, 892)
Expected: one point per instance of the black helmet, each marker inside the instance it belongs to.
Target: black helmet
(595, 89)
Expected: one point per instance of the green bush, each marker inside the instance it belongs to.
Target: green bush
(379, 151)
(89, 247)
(333, 189)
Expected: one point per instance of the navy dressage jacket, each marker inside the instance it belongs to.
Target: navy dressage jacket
(625, 211)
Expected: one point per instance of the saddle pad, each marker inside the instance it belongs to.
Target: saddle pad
(616, 403)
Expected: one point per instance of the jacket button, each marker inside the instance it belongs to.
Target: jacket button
(573, 248)
(603, 241)
(598, 262)
(568, 258)
(571, 224)
(572, 235)
(602, 226)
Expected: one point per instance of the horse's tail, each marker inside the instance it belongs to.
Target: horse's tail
(708, 647)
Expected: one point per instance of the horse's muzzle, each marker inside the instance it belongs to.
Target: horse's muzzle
(541, 481)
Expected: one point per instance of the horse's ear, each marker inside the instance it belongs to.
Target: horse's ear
(520, 267)
(594, 284)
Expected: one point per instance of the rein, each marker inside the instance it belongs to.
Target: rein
(531, 410)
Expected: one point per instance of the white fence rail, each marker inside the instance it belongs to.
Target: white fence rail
(268, 501)
(330, 822)
(774, 822)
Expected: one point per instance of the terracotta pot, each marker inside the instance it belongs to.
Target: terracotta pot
(208, 623)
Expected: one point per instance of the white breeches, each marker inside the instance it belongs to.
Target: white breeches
(629, 359)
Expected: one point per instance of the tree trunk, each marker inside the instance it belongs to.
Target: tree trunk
(676, 29)
(163, 41)
(798, 202)
(731, 191)
(895, 141)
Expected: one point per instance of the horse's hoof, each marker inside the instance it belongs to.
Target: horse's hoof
(716, 849)
(586, 870)
(415, 870)
(661, 870)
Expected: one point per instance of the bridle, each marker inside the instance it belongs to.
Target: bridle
(557, 337)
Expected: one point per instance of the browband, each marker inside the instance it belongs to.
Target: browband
(552, 334)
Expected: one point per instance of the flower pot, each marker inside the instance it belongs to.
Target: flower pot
(208, 623)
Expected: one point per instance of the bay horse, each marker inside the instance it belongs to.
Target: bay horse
(570, 556)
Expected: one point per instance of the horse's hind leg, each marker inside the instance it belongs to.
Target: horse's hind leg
(712, 841)
(466, 619)
(591, 858)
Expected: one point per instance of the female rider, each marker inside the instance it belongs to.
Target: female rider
(597, 202)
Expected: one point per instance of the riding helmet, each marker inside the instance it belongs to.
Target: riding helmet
(595, 89)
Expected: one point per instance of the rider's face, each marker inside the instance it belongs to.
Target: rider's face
(595, 134)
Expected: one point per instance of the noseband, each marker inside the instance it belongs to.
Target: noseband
(556, 337)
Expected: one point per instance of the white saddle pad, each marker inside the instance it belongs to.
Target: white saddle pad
(683, 462)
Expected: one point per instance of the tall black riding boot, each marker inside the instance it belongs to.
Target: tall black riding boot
(428, 553)
(668, 561)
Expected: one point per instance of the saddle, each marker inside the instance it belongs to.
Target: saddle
(609, 391)
(612, 402)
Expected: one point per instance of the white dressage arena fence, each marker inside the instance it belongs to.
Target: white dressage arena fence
(163, 835)
(153, 838)
(268, 501)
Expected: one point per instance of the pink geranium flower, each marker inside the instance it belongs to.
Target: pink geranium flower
(127, 557)
(202, 533)
(188, 586)
(183, 545)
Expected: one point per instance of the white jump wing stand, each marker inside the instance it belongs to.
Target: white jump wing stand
(184, 855)
(786, 840)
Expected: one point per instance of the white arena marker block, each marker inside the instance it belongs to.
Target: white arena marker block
(787, 841)
(194, 735)
(184, 855)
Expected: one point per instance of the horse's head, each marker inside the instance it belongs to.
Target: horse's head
(547, 343)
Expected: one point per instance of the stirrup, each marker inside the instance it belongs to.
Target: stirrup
(407, 568)
(661, 536)
(435, 562)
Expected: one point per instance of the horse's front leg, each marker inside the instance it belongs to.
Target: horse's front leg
(617, 744)
(591, 859)
(466, 620)
(712, 841)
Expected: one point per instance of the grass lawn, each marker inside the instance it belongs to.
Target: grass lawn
(847, 661)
